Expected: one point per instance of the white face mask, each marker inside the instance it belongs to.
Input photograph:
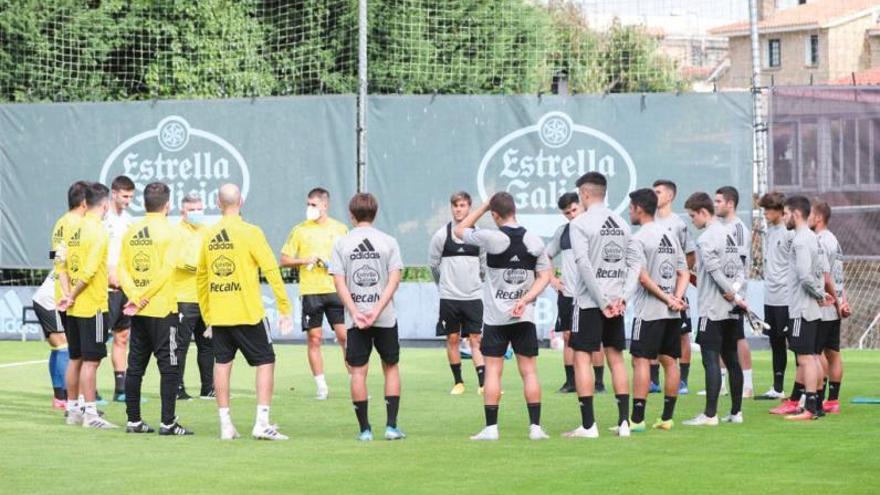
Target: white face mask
(313, 213)
(196, 217)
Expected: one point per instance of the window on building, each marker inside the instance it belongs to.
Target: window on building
(774, 53)
(811, 50)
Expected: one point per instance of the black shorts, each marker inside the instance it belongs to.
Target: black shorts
(316, 306)
(564, 313)
(116, 301)
(50, 320)
(254, 342)
(828, 336)
(87, 337)
(777, 318)
(718, 335)
(651, 338)
(803, 336)
(464, 317)
(591, 330)
(685, 320)
(359, 345)
(523, 336)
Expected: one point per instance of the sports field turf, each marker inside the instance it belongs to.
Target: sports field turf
(39, 454)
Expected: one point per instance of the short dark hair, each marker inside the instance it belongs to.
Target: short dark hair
(122, 183)
(773, 200)
(593, 178)
(700, 201)
(76, 194)
(729, 193)
(363, 207)
(798, 203)
(823, 209)
(460, 196)
(96, 194)
(567, 199)
(319, 192)
(502, 204)
(668, 184)
(156, 195)
(646, 199)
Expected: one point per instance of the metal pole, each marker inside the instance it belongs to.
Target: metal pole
(362, 98)
(759, 136)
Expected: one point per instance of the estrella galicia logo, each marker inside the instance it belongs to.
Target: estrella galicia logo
(223, 266)
(612, 252)
(538, 163)
(514, 276)
(731, 268)
(667, 271)
(188, 159)
(141, 262)
(366, 277)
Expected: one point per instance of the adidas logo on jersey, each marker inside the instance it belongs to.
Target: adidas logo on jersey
(731, 247)
(74, 241)
(220, 241)
(666, 246)
(364, 251)
(142, 238)
(515, 258)
(610, 227)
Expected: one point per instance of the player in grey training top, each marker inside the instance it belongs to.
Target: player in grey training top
(726, 202)
(719, 273)
(777, 249)
(599, 238)
(517, 272)
(829, 328)
(657, 300)
(366, 266)
(458, 271)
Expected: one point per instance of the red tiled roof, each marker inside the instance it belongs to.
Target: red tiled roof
(866, 77)
(812, 15)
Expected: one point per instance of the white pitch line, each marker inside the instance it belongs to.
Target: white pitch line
(23, 363)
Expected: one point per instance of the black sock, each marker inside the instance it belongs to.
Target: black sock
(60, 393)
(668, 407)
(638, 414)
(685, 369)
(534, 413)
(491, 414)
(655, 374)
(569, 374)
(360, 410)
(586, 404)
(392, 405)
(622, 408)
(119, 378)
(833, 390)
(599, 373)
(811, 402)
(456, 372)
(481, 374)
(797, 392)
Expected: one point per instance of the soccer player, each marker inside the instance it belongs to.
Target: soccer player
(666, 191)
(726, 202)
(828, 342)
(117, 221)
(190, 231)
(599, 238)
(777, 250)
(658, 300)
(84, 279)
(517, 272)
(720, 271)
(366, 268)
(308, 249)
(147, 261)
(233, 255)
(458, 269)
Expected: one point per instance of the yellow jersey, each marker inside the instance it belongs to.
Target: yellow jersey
(233, 254)
(64, 229)
(308, 239)
(86, 262)
(147, 260)
(185, 275)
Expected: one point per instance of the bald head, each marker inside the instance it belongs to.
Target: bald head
(229, 197)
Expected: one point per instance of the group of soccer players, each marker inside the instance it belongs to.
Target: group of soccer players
(170, 283)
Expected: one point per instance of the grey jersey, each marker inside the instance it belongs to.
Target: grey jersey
(656, 250)
(504, 287)
(599, 238)
(833, 265)
(366, 256)
(458, 278)
(777, 250)
(719, 267)
(742, 236)
(806, 284)
(674, 224)
(560, 245)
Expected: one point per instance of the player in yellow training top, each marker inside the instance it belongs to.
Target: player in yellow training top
(234, 253)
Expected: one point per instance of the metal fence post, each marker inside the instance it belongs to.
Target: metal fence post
(759, 143)
(362, 98)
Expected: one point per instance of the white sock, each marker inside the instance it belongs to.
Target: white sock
(82, 400)
(747, 379)
(320, 381)
(91, 409)
(72, 405)
(225, 417)
(263, 415)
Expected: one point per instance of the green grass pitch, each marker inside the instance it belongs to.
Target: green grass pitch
(39, 454)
